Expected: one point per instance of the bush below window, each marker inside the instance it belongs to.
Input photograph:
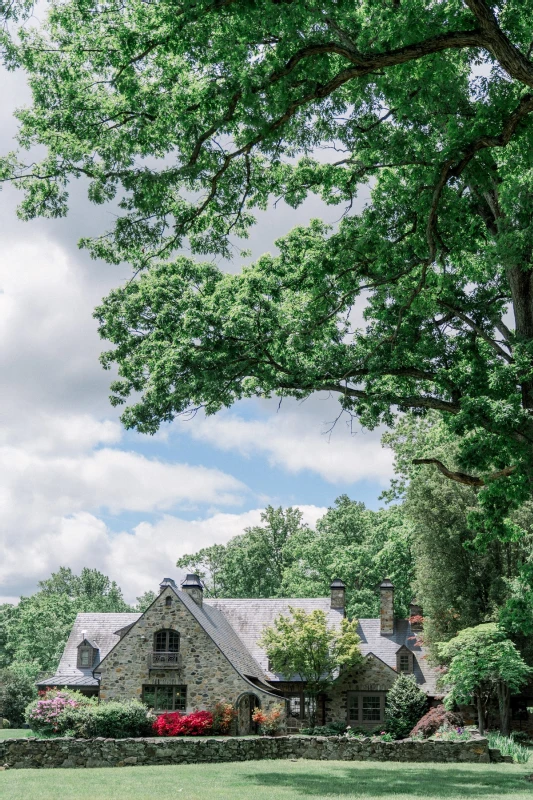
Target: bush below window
(404, 705)
(66, 713)
(198, 723)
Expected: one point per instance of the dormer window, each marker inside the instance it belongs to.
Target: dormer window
(404, 661)
(87, 651)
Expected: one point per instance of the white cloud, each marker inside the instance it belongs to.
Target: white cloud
(137, 560)
(295, 439)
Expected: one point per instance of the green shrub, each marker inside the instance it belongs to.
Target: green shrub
(65, 713)
(521, 737)
(5, 723)
(16, 690)
(331, 729)
(404, 706)
(508, 747)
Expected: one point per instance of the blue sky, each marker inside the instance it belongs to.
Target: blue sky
(75, 488)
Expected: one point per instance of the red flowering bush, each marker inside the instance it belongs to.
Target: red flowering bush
(223, 716)
(430, 723)
(199, 723)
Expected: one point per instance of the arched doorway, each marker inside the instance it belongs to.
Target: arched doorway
(245, 708)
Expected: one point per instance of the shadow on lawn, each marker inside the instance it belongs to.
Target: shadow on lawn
(418, 782)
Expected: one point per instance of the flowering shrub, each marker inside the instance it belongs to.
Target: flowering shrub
(44, 714)
(223, 716)
(448, 734)
(62, 712)
(198, 723)
(269, 721)
(433, 720)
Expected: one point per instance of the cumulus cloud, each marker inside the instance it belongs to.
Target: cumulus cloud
(138, 560)
(298, 438)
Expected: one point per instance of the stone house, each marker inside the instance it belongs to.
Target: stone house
(187, 652)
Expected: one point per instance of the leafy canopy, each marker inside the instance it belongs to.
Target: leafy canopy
(193, 116)
(304, 645)
(480, 659)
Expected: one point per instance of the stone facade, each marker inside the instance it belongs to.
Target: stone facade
(387, 607)
(373, 676)
(57, 753)
(203, 668)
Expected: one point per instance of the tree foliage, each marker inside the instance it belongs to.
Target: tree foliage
(303, 645)
(193, 117)
(34, 632)
(483, 663)
(404, 706)
(285, 558)
(460, 582)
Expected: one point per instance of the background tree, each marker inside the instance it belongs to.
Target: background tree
(405, 704)
(35, 631)
(482, 664)
(303, 645)
(254, 563)
(285, 558)
(145, 600)
(17, 690)
(430, 102)
(459, 583)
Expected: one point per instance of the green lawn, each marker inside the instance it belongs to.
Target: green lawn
(15, 733)
(274, 780)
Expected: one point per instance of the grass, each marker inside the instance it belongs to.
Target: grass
(274, 780)
(15, 733)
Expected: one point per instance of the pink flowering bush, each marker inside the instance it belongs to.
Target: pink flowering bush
(45, 715)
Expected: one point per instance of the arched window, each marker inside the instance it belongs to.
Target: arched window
(166, 641)
(168, 601)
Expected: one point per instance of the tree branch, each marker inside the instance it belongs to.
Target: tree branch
(461, 477)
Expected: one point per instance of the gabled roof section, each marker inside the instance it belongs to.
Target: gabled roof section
(249, 617)
(99, 631)
(88, 643)
(387, 647)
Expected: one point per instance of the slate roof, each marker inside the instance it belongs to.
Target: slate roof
(386, 647)
(236, 625)
(248, 618)
(100, 630)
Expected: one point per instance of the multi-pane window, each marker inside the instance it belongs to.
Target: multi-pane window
(365, 708)
(165, 698)
(166, 642)
(404, 662)
(372, 708)
(85, 656)
(353, 708)
(300, 707)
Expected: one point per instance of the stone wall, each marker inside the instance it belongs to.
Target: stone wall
(54, 753)
(205, 670)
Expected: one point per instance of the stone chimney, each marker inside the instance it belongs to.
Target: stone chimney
(386, 590)
(166, 582)
(338, 594)
(193, 586)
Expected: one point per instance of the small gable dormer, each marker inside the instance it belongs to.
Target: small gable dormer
(87, 653)
(405, 661)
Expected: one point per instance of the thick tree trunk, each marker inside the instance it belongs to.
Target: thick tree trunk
(521, 286)
(480, 715)
(504, 703)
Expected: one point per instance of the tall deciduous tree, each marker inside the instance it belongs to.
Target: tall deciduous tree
(303, 645)
(254, 563)
(483, 663)
(429, 102)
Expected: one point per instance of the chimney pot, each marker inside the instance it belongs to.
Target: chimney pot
(386, 591)
(338, 594)
(194, 588)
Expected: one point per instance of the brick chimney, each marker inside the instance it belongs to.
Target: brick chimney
(415, 615)
(193, 586)
(338, 594)
(386, 591)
